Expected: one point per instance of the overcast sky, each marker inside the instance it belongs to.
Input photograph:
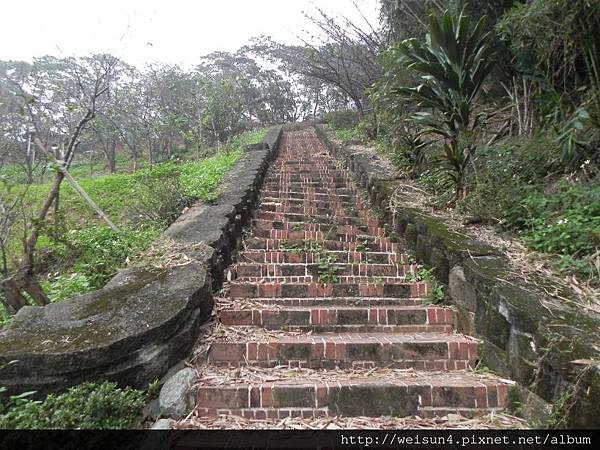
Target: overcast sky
(143, 31)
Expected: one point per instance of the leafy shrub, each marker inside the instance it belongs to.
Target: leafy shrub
(5, 317)
(344, 119)
(86, 406)
(436, 294)
(565, 222)
(104, 250)
(518, 187)
(159, 199)
(507, 172)
(453, 64)
(97, 253)
(65, 286)
(347, 134)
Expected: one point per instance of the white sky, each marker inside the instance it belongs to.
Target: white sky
(143, 31)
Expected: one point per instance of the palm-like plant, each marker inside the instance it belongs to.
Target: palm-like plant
(453, 63)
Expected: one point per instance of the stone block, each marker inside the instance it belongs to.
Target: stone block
(462, 293)
(177, 396)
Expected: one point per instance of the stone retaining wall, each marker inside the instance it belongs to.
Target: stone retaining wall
(144, 320)
(545, 343)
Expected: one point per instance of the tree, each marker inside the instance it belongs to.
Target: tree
(59, 97)
(224, 108)
(345, 57)
(405, 19)
(453, 64)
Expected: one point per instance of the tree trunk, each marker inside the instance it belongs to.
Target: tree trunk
(21, 281)
(4, 259)
(30, 160)
(110, 153)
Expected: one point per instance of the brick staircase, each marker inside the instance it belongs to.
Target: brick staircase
(327, 307)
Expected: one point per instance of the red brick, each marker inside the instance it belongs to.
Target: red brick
(473, 350)
(431, 316)
(463, 350)
(502, 395)
(227, 352)
(266, 396)
(252, 351)
(243, 290)
(315, 316)
(330, 350)
(340, 351)
(481, 396)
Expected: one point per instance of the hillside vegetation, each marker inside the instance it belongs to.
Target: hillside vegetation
(497, 116)
(79, 253)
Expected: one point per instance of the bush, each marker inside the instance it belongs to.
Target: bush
(61, 287)
(159, 198)
(104, 250)
(509, 171)
(343, 119)
(565, 222)
(519, 188)
(346, 134)
(86, 406)
(96, 252)
(5, 317)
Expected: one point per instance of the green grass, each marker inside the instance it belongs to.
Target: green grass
(347, 134)
(521, 186)
(79, 253)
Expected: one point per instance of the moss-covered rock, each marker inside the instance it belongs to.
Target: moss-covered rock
(130, 331)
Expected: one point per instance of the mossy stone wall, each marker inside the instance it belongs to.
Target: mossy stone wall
(143, 321)
(537, 339)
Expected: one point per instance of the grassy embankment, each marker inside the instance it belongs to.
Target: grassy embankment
(521, 188)
(78, 253)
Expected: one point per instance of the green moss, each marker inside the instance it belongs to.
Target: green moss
(43, 340)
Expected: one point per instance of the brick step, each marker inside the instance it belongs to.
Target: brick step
(366, 232)
(352, 317)
(326, 278)
(313, 177)
(320, 167)
(332, 190)
(302, 163)
(277, 250)
(400, 395)
(244, 289)
(330, 203)
(364, 328)
(303, 196)
(305, 165)
(308, 210)
(308, 179)
(423, 351)
(264, 413)
(293, 217)
(332, 235)
(305, 269)
(293, 178)
(311, 302)
(312, 187)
